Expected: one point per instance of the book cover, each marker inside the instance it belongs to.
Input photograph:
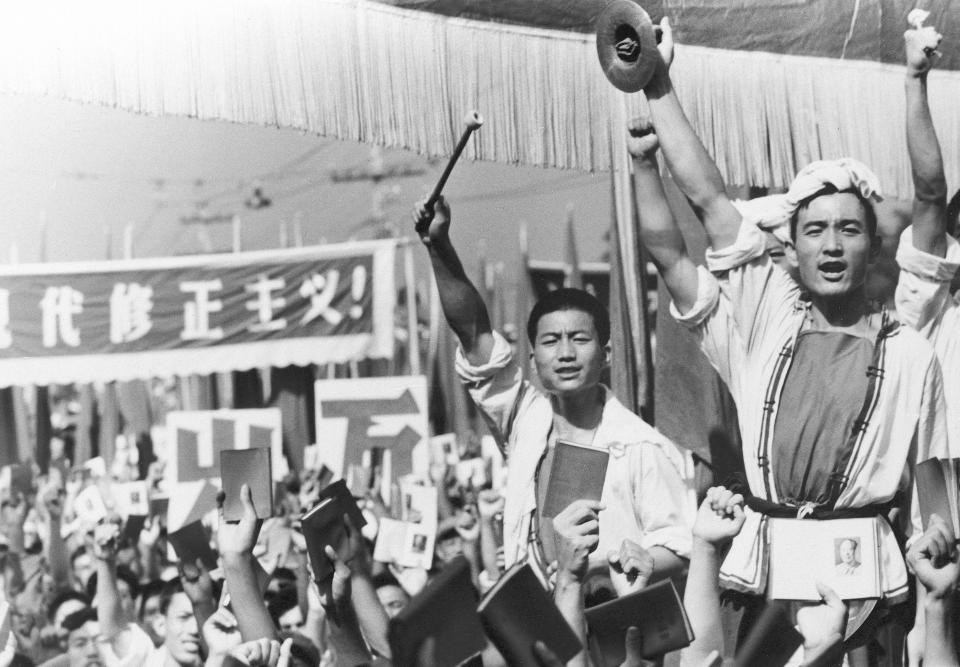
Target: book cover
(444, 610)
(518, 611)
(250, 467)
(577, 472)
(190, 543)
(323, 526)
(340, 491)
(130, 498)
(657, 611)
(842, 553)
(772, 641)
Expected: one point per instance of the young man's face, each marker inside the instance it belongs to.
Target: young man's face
(291, 620)
(834, 246)
(154, 622)
(63, 611)
(82, 646)
(183, 636)
(567, 354)
(393, 598)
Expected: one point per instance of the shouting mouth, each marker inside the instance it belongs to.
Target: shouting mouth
(832, 270)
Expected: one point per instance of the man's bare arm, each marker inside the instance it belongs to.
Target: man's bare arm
(462, 306)
(926, 161)
(690, 165)
(659, 231)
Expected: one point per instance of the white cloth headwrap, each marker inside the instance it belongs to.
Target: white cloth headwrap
(843, 174)
(770, 213)
(773, 212)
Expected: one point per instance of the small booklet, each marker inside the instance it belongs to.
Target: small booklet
(842, 553)
(657, 611)
(518, 611)
(577, 473)
(445, 610)
(419, 503)
(405, 543)
(132, 527)
(340, 491)
(250, 467)
(323, 526)
(772, 641)
(89, 506)
(938, 490)
(130, 498)
(190, 542)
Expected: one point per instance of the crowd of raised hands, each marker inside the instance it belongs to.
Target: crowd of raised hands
(95, 595)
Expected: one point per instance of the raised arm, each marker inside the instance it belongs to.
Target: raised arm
(236, 542)
(935, 559)
(926, 162)
(659, 231)
(462, 306)
(718, 521)
(690, 165)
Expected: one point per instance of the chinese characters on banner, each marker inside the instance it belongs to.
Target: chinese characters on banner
(195, 439)
(385, 414)
(156, 317)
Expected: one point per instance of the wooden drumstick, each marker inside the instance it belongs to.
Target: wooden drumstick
(473, 121)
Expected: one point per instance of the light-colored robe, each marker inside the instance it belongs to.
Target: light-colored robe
(747, 315)
(646, 499)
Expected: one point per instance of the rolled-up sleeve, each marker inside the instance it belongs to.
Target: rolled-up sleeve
(497, 387)
(660, 499)
(923, 290)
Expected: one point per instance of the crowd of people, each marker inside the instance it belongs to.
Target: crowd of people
(839, 399)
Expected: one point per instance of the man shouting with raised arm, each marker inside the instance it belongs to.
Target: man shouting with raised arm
(643, 508)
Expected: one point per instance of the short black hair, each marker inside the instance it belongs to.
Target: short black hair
(64, 596)
(124, 573)
(280, 603)
(153, 588)
(570, 298)
(385, 579)
(170, 588)
(869, 211)
(76, 620)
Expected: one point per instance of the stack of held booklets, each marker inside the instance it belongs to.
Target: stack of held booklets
(253, 468)
(440, 625)
(938, 488)
(657, 611)
(577, 473)
(518, 612)
(323, 526)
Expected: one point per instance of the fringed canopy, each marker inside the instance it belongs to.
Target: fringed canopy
(361, 70)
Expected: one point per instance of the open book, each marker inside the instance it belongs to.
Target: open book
(842, 553)
(657, 611)
(517, 612)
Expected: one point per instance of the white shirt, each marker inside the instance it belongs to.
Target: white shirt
(646, 499)
(924, 303)
(746, 316)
